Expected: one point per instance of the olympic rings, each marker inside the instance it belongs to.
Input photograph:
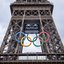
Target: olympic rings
(24, 44)
(33, 39)
(37, 45)
(17, 35)
(43, 37)
(40, 38)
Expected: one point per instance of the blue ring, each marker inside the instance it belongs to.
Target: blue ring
(16, 36)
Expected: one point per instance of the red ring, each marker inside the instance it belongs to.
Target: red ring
(46, 39)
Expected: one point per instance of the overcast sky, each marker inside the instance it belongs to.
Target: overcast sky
(58, 16)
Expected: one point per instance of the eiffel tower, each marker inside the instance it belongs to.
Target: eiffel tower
(31, 17)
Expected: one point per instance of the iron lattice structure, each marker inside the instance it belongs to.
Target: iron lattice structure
(32, 12)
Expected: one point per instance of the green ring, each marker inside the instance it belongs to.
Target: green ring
(37, 45)
(41, 37)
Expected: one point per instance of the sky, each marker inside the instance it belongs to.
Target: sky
(58, 16)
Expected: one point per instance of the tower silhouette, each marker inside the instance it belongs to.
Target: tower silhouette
(31, 17)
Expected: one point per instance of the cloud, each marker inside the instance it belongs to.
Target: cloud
(58, 14)
(4, 17)
(2, 33)
(10, 1)
(63, 42)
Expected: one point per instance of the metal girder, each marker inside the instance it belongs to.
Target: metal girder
(53, 50)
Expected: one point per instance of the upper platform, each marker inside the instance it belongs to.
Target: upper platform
(33, 2)
(28, 3)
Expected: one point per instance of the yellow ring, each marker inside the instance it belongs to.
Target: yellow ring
(24, 44)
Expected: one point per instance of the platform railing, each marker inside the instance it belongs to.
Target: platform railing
(39, 57)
